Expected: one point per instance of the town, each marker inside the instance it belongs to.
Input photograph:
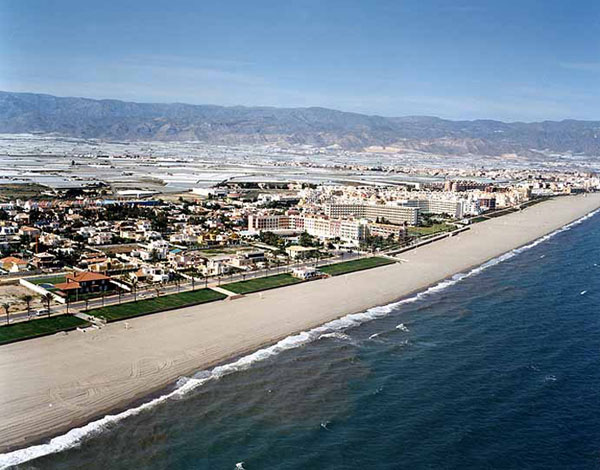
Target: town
(80, 250)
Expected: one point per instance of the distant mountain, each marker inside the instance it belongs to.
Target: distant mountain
(119, 120)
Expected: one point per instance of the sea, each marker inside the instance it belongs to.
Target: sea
(497, 368)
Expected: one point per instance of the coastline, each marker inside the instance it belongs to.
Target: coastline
(52, 384)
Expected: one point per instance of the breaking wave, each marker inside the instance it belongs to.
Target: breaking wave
(186, 384)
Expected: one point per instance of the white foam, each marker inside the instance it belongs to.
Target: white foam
(336, 335)
(185, 385)
(324, 425)
(402, 327)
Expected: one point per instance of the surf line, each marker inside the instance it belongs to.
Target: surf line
(186, 384)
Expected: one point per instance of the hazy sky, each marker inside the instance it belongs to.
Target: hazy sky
(504, 59)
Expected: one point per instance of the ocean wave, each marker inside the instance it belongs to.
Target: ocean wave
(185, 385)
(336, 335)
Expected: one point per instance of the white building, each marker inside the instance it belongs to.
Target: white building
(393, 214)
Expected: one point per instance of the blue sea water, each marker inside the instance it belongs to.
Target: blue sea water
(500, 370)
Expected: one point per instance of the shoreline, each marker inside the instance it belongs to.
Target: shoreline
(66, 388)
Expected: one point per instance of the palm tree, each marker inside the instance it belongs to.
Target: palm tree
(87, 303)
(6, 307)
(157, 290)
(193, 282)
(134, 288)
(47, 300)
(28, 299)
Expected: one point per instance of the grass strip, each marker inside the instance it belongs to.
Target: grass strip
(156, 304)
(39, 327)
(355, 265)
(261, 283)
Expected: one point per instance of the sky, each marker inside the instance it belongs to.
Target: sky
(511, 60)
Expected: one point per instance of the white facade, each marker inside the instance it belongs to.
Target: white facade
(393, 214)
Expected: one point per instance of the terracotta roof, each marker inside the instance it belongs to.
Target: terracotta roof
(86, 276)
(67, 286)
(96, 260)
(12, 259)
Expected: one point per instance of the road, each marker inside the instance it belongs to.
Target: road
(150, 291)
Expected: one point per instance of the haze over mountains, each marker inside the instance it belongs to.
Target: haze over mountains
(119, 120)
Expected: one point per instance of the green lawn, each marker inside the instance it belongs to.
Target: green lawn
(435, 228)
(166, 302)
(355, 265)
(38, 327)
(48, 280)
(261, 283)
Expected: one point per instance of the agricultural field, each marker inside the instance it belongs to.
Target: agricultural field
(10, 192)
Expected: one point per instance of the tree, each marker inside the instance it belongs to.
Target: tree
(270, 238)
(6, 307)
(306, 240)
(134, 284)
(47, 298)
(28, 299)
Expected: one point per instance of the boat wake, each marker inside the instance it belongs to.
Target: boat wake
(185, 385)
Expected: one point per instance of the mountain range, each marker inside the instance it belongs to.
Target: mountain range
(120, 120)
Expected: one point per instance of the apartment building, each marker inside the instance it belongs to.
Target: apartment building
(351, 230)
(451, 207)
(385, 230)
(268, 223)
(392, 214)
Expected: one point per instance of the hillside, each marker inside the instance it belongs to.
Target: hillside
(119, 120)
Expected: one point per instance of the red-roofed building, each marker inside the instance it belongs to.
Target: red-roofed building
(67, 286)
(85, 282)
(12, 264)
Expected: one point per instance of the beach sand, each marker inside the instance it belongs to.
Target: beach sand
(51, 384)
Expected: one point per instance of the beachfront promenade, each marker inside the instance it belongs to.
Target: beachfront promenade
(51, 384)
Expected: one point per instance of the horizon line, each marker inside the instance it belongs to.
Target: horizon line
(170, 103)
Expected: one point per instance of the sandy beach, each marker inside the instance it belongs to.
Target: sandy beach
(51, 384)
